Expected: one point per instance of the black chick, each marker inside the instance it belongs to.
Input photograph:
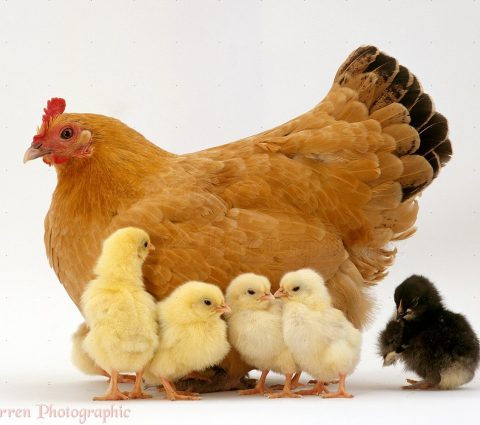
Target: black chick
(436, 344)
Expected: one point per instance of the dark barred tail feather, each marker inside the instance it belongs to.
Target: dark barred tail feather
(394, 95)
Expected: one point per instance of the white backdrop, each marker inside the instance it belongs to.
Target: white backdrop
(190, 75)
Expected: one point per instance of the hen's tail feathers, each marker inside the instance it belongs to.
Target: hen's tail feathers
(394, 97)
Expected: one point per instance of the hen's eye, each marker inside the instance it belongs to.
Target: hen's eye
(251, 291)
(296, 288)
(66, 133)
(414, 303)
(145, 244)
(207, 302)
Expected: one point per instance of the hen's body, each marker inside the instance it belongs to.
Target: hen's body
(328, 190)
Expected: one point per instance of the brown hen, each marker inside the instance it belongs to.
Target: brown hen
(328, 190)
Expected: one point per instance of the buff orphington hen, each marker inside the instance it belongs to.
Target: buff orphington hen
(329, 190)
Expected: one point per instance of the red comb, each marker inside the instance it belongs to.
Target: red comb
(55, 107)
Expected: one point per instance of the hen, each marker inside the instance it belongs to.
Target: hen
(329, 190)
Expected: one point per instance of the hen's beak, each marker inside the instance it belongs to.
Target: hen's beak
(223, 309)
(267, 297)
(35, 151)
(280, 293)
(151, 247)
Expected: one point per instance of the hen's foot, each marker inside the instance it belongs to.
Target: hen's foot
(418, 385)
(314, 381)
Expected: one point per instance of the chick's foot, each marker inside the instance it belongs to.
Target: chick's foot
(260, 388)
(113, 392)
(341, 392)
(287, 389)
(137, 389)
(294, 385)
(418, 385)
(172, 394)
(318, 389)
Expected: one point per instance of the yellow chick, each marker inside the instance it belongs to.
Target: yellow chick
(192, 336)
(84, 362)
(255, 331)
(119, 311)
(323, 342)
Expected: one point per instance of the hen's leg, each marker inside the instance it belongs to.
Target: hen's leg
(113, 393)
(260, 388)
(341, 393)
(287, 389)
(172, 394)
(137, 389)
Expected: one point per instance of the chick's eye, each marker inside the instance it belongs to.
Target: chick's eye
(66, 133)
(296, 288)
(145, 244)
(251, 291)
(207, 302)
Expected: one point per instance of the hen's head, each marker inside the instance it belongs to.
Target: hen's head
(249, 291)
(305, 286)
(60, 136)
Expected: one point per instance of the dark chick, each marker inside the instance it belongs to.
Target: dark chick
(436, 344)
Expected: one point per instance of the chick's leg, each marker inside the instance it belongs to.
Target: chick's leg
(418, 385)
(341, 393)
(319, 388)
(172, 394)
(295, 383)
(122, 378)
(287, 389)
(260, 388)
(113, 393)
(199, 376)
(137, 389)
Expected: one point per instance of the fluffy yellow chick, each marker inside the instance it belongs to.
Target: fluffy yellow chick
(255, 331)
(192, 336)
(84, 362)
(119, 311)
(323, 342)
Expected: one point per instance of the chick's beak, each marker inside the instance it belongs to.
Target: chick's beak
(267, 297)
(223, 309)
(36, 150)
(280, 293)
(151, 247)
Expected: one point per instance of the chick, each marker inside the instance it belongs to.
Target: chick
(323, 342)
(436, 344)
(84, 362)
(255, 331)
(120, 312)
(192, 336)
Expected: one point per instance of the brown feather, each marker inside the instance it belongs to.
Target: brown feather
(330, 190)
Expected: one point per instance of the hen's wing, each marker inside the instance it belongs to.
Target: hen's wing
(328, 190)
